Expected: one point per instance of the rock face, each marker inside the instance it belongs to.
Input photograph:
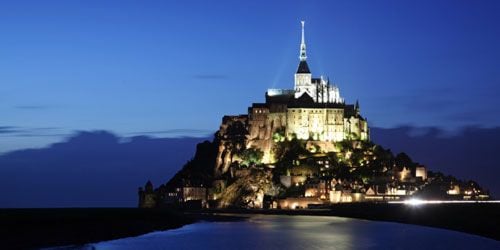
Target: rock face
(199, 171)
(249, 188)
(231, 141)
(219, 165)
(245, 187)
(227, 173)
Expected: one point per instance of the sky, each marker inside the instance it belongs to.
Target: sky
(170, 68)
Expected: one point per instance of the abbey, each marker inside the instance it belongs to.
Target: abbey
(302, 147)
(312, 111)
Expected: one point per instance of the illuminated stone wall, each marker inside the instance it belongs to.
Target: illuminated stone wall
(194, 193)
(303, 85)
(321, 125)
(316, 124)
(421, 172)
(298, 203)
(262, 124)
(318, 88)
(356, 127)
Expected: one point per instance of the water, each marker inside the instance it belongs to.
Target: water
(301, 232)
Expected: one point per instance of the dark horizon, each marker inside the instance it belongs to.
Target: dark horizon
(98, 168)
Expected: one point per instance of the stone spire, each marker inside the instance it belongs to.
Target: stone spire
(303, 67)
(303, 55)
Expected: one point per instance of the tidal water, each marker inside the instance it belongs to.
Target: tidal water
(301, 232)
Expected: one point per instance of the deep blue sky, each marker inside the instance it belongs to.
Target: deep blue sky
(176, 67)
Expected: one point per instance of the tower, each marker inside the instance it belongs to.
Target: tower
(303, 74)
(303, 55)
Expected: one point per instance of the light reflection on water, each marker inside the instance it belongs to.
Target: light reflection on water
(301, 232)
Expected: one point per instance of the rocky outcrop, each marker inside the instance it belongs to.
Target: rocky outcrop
(232, 139)
(262, 127)
(249, 188)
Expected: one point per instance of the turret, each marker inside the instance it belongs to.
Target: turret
(149, 186)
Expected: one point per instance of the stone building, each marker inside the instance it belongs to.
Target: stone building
(313, 111)
(318, 188)
(421, 172)
(148, 198)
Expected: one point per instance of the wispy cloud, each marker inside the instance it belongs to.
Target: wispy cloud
(9, 129)
(177, 132)
(43, 134)
(16, 131)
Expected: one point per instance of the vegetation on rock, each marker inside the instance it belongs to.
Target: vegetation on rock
(355, 163)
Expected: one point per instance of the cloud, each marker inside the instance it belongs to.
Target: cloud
(93, 165)
(43, 134)
(177, 132)
(16, 131)
(9, 129)
(211, 76)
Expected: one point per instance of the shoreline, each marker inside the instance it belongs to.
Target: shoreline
(38, 228)
(477, 219)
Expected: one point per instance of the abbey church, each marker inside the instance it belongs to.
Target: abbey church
(313, 110)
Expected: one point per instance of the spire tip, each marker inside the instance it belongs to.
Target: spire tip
(303, 56)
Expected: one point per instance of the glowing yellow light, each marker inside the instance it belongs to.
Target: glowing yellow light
(414, 202)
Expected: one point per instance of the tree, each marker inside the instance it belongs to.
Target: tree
(251, 156)
(235, 138)
(288, 151)
(403, 160)
(279, 135)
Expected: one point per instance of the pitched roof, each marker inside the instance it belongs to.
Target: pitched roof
(303, 68)
(306, 101)
(305, 98)
(316, 80)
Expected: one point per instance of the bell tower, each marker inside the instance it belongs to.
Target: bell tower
(303, 75)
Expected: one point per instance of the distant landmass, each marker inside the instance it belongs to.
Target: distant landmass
(90, 169)
(98, 168)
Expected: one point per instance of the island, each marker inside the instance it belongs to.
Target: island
(302, 148)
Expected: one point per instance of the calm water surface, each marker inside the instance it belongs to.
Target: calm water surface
(301, 232)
